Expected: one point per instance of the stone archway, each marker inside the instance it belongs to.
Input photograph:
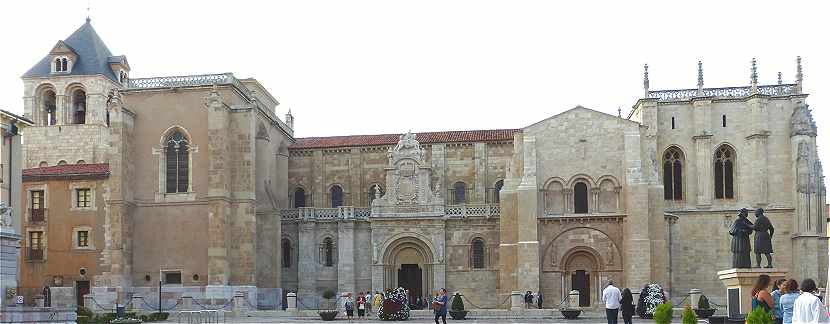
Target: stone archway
(408, 262)
(582, 273)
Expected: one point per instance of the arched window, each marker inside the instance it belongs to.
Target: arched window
(80, 162)
(49, 108)
(497, 191)
(328, 252)
(177, 158)
(673, 174)
(57, 65)
(107, 116)
(42, 164)
(459, 193)
(724, 172)
(62, 162)
(477, 254)
(286, 253)
(375, 191)
(64, 65)
(554, 198)
(336, 193)
(79, 107)
(299, 197)
(581, 198)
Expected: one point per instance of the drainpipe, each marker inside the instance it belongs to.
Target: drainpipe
(671, 219)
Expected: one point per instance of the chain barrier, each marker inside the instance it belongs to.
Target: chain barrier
(152, 308)
(681, 301)
(227, 303)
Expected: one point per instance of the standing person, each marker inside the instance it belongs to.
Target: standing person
(361, 305)
(777, 290)
(612, 297)
(627, 305)
(760, 296)
(440, 306)
(763, 238)
(787, 300)
(348, 304)
(369, 301)
(807, 307)
(540, 300)
(378, 300)
(528, 299)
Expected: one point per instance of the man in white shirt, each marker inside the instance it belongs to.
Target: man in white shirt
(807, 307)
(612, 297)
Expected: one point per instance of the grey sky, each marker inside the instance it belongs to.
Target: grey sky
(367, 67)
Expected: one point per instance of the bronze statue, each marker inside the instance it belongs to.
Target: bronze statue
(763, 238)
(741, 247)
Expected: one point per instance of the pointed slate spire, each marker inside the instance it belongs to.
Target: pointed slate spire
(799, 76)
(645, 80)
(93, 55)
(699, 78)
(753, 78)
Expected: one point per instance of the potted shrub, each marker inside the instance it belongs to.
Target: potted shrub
(759, 316)
(394, 306)
(703, 309)
(650, 297)
(663, 314)
(457, 311)
(327, 309)
(689, 316)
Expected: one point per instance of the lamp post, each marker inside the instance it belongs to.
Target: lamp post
(159, 295)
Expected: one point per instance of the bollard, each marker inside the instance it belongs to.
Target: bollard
(90, 303)
(187, 303)
(694, 297)
(292, 301)
(573, 299)
(516, 301)
(237, 303)
(39, 300)
(136, 302)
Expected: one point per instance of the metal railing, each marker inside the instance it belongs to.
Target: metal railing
(727, 92)
(486, 210)
(348, 212)
(37, 215)
(34, 254)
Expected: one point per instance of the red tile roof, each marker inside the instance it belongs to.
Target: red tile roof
(68, 171)
(391, 139)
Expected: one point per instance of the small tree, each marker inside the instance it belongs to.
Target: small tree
(759, 315)
(689, 316)
(663, 314)
(457, 303)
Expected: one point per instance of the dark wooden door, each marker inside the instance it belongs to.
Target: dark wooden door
(81, 289)
(409, 277)
(580, 282)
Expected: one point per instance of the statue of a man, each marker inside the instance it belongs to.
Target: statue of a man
(740, 231)
(763, 238)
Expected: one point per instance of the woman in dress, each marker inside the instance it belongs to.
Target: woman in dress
(627, 305)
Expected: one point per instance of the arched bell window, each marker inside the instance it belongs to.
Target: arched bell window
(336, 195)
(581, 198)
(79, 107)
(299, 197)
(497, 191)
(459, 193)
(724, 172)
(49, 108)
(177, 159)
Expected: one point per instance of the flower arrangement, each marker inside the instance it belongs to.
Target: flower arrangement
(650, 297)
(394, 306)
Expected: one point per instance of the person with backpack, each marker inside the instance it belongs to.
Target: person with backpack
(348, 304)
(361, 305)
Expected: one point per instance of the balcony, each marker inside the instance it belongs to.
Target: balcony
(34, 254)
(348, 212)
(37, 215)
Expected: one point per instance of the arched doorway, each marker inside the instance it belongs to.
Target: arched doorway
(408, 263)
(582, 269)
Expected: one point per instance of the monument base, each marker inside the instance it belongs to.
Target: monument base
(739, 283)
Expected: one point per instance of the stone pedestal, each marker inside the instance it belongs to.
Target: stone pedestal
(516, 301)
(739, 283)
(291, 300)
(573, 299)
(694, 297)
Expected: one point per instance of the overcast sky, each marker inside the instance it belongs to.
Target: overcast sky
(367, 67)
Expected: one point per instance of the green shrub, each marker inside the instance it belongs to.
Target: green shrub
(328, 294)
(759, 316)
(144, 318)
(125, 321)
(689, 316)
(157, 317)
(663, 314)
(703, 303)
(457, 303)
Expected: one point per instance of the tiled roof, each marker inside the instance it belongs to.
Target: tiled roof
(391, 139)
(93, 55)
(68, 171)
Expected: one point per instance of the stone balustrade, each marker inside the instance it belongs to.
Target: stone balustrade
(727, 92)
(349, 212)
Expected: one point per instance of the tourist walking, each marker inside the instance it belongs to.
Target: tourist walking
(808, 307)
(348, 304)
(612, 297)
(440, 306)
(788, 297)
(539, 300)
(760, 296)
(369, 301)
(627, 305)
(777, 291)
(361, 305)
(378, 300)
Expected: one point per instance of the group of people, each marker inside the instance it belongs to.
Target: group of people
(790, 302)
(615, 301)
(364, 303)
(369, 302)
(534, 299)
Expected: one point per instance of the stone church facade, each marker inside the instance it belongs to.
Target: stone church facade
(209, 192)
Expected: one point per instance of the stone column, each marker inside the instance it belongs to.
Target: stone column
(218, 196)
(703, 163)
(358, 191)
(480, 162)
(508, 223)
(318, 186)
(528, 211)
(438, 169)
(345, 257)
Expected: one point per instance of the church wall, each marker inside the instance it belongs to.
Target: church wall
(373, 171)
(477, 285)
(289, 276)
